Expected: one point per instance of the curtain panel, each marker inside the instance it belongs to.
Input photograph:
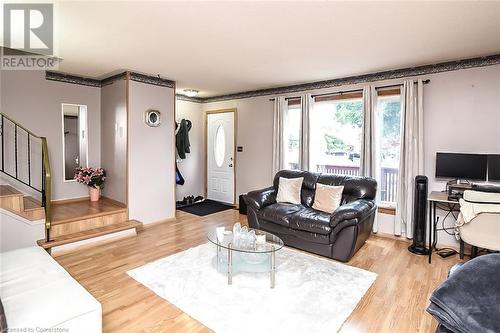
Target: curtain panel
(411, 161)
(370, 144)
(306, 104)
(280, 109)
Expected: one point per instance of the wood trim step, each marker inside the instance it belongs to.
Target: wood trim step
(387, 210)
(85, 210)
(88, 234)
(31, 203)
(9, 191)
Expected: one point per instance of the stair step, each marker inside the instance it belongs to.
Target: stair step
(9, 191)
(84, 209)
(88, 234)
(31, 203)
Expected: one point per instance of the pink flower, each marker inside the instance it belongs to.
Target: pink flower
(87, 180)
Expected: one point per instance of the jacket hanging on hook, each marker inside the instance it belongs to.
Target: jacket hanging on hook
(182, 138)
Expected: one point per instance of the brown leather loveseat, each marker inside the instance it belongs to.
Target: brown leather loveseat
(338, 235)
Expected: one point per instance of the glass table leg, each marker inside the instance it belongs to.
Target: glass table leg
(218, 250)
(273, 267)
(229, 264)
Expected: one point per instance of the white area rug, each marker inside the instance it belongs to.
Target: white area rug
(311, 294)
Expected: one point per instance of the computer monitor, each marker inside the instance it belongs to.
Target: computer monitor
(461, 166)
(494, 167)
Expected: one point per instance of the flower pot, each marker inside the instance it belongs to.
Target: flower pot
(94, 193)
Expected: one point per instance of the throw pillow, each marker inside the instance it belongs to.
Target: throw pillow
(289, 190)
(327, 198)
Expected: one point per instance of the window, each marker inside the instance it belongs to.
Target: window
(291, 135)
(220, 146)
(335, 135)
(388, 138)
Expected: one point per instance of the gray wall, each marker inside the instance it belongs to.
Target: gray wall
(255, 133)
(151, 155)
(114, 139)
(36, 103)
(192, 167)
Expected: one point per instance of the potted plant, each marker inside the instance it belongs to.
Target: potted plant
(93, 178)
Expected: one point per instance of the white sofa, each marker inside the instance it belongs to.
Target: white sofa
(38, 294)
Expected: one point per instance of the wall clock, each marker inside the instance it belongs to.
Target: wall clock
(153, 118)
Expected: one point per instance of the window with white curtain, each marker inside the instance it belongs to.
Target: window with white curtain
(335, 135)
(291, 135)
(388, 137)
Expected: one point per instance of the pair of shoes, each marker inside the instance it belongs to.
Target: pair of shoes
(189, 199)
(198, 198)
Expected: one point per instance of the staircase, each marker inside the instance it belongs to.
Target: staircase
(67, 224)
(20, 204)
(19, 150)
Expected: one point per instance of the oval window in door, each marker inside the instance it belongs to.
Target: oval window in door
(220, 145)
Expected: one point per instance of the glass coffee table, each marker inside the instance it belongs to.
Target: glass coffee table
(234, 255)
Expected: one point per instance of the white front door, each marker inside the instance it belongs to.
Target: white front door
(220, 157)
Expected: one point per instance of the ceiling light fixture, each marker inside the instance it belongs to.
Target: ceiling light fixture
(190, 92)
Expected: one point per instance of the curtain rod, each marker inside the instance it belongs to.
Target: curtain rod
(338, 93)
(286, 98)
(400, 84)
(352, 91)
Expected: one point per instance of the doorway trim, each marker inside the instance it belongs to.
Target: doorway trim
(235, 163)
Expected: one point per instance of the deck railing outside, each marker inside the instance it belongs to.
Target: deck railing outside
(388, 178)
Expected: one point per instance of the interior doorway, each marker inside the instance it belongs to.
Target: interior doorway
(220, 155)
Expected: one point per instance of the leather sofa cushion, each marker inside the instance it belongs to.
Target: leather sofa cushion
(303, 235)
(354, 187)
(311, 220)
(279, 213)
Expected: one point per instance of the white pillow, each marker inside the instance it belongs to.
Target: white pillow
(289, 190)
(327, 198)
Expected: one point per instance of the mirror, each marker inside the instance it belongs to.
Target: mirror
(75, 143)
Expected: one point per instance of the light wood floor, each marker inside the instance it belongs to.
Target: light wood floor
(396, 302)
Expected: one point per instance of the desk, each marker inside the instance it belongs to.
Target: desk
(436, 198)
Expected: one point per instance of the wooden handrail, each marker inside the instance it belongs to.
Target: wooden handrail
(47, 178)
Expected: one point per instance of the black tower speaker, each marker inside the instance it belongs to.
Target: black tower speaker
(419, 216)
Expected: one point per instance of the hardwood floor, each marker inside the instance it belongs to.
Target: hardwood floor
(396, 302)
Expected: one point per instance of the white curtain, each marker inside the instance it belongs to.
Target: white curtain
(280, 108)
(370, 144)
(411, 161)
(306, 105)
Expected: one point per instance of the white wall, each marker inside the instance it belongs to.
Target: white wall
(151, 155)
(36, 103)
(461, 114)
(192, 167)
(17, 232)
(114, 139)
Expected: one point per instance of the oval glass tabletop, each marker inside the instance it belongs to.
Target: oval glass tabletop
(244, 244)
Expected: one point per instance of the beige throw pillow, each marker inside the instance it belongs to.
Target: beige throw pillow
(289, 190)
(327, 198)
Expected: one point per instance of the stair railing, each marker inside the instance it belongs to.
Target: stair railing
(45, 188)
